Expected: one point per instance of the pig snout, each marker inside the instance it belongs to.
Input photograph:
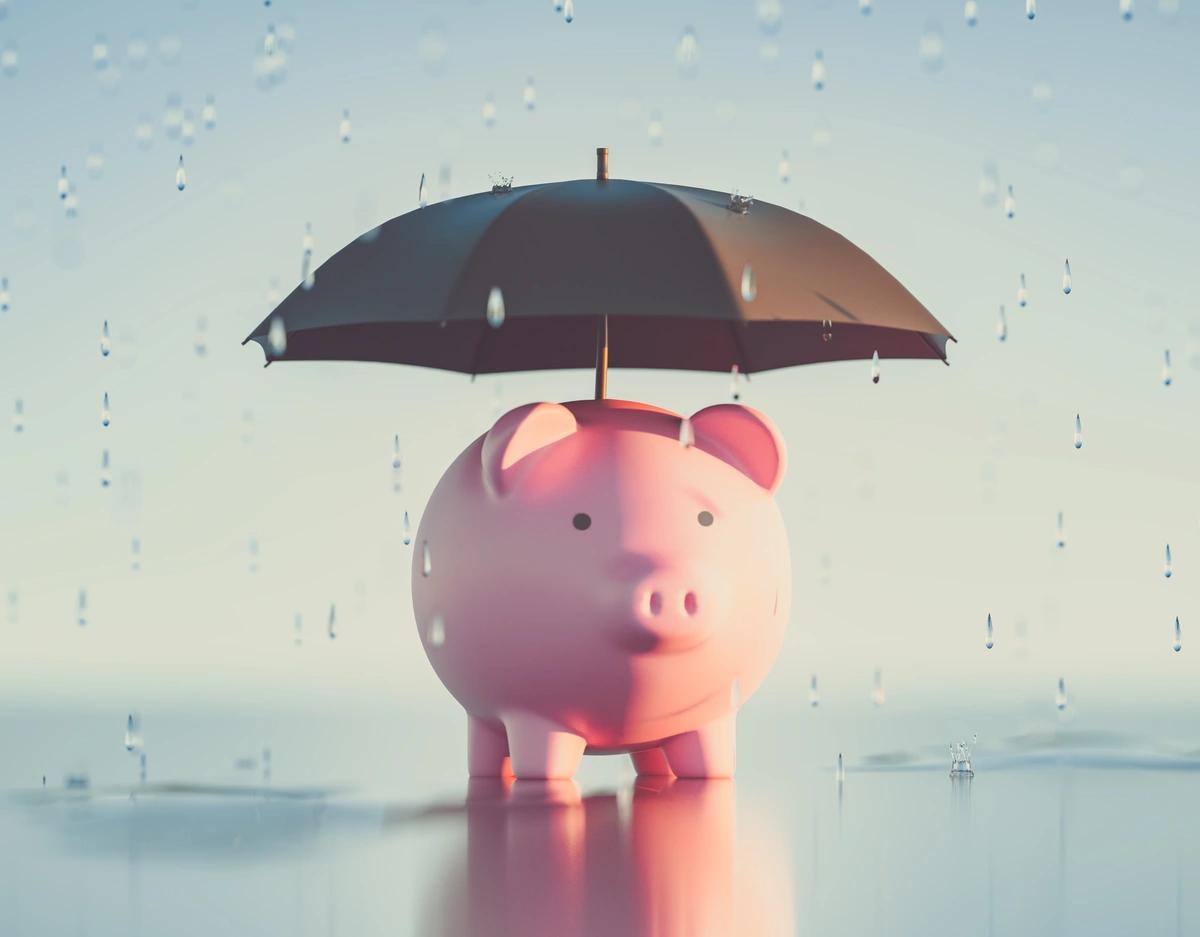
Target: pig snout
(667, 609)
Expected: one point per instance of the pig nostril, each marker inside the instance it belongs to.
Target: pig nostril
(689, 603)
(656, 603)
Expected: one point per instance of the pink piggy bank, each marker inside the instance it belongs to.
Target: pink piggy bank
(597, 577)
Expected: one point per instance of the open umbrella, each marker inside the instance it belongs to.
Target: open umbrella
(599, 272)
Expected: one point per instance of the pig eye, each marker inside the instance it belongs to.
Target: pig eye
(705, 518)
(581, 521)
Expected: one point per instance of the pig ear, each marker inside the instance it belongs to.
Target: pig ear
(517, 434)
(745, 439)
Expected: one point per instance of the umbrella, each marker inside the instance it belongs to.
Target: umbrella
(597, 273)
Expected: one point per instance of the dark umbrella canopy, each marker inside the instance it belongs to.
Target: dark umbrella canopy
(664, 263)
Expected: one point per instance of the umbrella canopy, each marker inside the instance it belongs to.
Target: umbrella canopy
(676, 277)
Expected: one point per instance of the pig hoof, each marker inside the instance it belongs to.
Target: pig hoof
(651, 762)
(541, 749)
(708, 752)
(487, 750)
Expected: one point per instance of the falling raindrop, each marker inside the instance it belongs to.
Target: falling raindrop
(64, 183)
(971, 12)
(308, 276)
(1066, 279)
(436, 634)
(426, 560)
(277, 336)
(135, 554)
(1060, 537)
(1022, 293)
(989, 184)
(1002, 326)
(865, 7)
(105, 471)
(875, 368)
(5, 299)
(1126, 8)
(989, 643)
(814, 698)
(489, 111)
(1078, 432)
(734, 382)
(841, 770)
(568, 10)
(344, 127)
(818, 71)
(1166, 368)
(100, 54)
(81, 608)
(878, 697)
(770, 15)
(687, 438)
(529, 94)
(253, 552)
(1010, 204)
(71, 203)
(180, 175)
(827, 330)
(422, 193)
(187, 129)
(19, 416)
(931, 48)
(687, 52)
(495, 308)
(749, 284)
(1178, 636)
(133, 738)
(406, 529)
(143, 132)
(1167, 570)
(95, 162)
(105, 412)
(10, 60)
(785, 167)
(270, 41)
(332, 621)
(1060, 697)
(1031, 8)
(208, 113)
(141, 767)
(105, 342)
(200, 342)
(397, 477)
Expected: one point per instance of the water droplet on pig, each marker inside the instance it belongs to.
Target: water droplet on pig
(1178, 637)
(1066, 279)
(406, 529)
(1022, 293)
(814, 698)
(734, 389)
(875, 368)
(495, 308)
(971, 12)
(422, 193)
(1002, 326)
(686, 436)
(749, 284)
(344, 127)
(426, 560)
(818, 71)
(1010, 204)
(989, 643)
(1166, 368)
(332, 621)
(1060, 536)
(1060, 697)
(105, 412)
(1078, 432)
(180, 175)
(1167, 570)
(277, 336)
(105, 342)
(436, 633)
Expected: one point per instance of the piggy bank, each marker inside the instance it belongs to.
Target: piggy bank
(605, 577)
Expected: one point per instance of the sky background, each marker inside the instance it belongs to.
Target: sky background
(915, 507)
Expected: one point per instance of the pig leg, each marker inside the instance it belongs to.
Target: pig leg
(651, 762)
(487, 749)
(542, 749)
(707, 752)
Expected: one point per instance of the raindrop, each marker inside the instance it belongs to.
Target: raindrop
(568, 11)
(1002, 326)
(141, 767)
(770, 15)
(397, 477)
(1166, 368)
(878, 697)
(406, 529)
(208, 113)
(654, 130)
(344, 127)
(1060, 537)
(1126, 7)
(814, 698)
(931, 48)
(200, 343)
(308, 276)
(81, 608)
(1060, 697)
(432, 47)
(422, 193)
(133, 739)
(100, 56)
(971, 12)
(173, 116)
(5, 299)
(298, 629)
(332, 621)
(137, 52)
(734, 389)
(105, 412)
(105, 470)
(10, 60)
(785, 167)
(1167, 570)
(426, 560)
(827, 330)
(1031, 8)
(495, 308)
(64, 183)
(1010, 204)
(19, 416)
(841, 770)
(865, 7)
(135, 554)
(436, 635)
(95, 162)
(875, 368)
(687, 52)
(252, 549)
(489, 111)
(71, 203)
(277, 336)
(1078, 432)
(143, 133)
(180, 175)
(818, 71)
(1178, 636)
(1022, 293)
(187, 130)
(687, 437)
(989, 184)
(529, 94)
(1066, 280)
(270, 41)
(749, 284)
(989, 643)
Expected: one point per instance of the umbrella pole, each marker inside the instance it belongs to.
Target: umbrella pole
(602, 358)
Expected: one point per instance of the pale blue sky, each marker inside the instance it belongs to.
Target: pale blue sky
(915, 507)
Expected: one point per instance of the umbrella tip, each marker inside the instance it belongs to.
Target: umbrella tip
(601, 164)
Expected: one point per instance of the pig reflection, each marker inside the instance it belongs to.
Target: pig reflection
(542, 862)
(585, 583)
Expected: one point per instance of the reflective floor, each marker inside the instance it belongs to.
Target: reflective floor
(1070, 830)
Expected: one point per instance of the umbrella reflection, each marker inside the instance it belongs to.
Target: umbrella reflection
(542, 860)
